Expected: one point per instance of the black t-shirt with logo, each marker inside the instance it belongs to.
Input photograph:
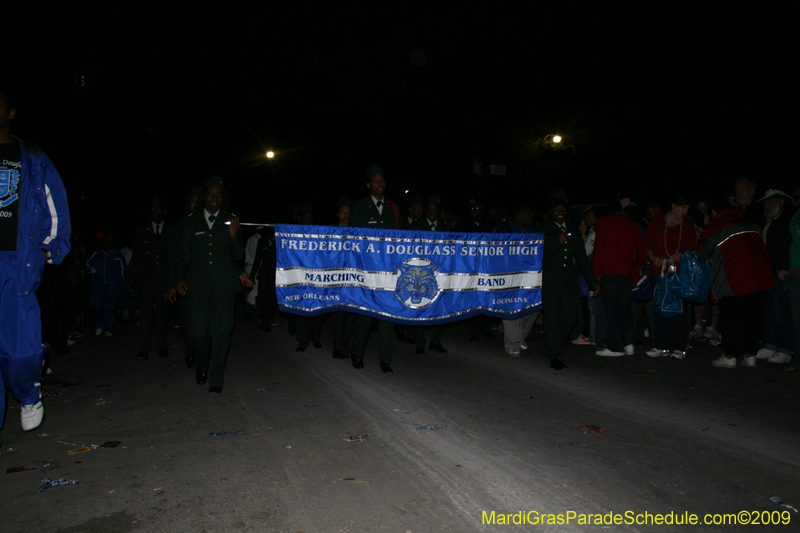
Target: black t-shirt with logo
(10, 175)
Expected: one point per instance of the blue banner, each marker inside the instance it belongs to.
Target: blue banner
(409, 277)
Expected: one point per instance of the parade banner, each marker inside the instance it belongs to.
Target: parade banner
(408, 277)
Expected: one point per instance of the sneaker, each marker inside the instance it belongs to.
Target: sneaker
(628, 349)
(523, 346)
(75, 335)
(749, 361)
(582, 340)
(107, 334)
(655, 352)
(764, 353)
(71, 342)
(724, 362)
(605, 352)
(32, 416)
(514, 353)
(98, 331)
(711, 333)
(678, 354)
(715, 342)
(780, 358)
(697, 333)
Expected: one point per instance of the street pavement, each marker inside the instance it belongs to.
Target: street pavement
(451, 439)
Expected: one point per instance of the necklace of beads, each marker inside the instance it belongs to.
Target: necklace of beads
(680, 236)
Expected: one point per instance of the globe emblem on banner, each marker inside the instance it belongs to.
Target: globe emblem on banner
(416, 283)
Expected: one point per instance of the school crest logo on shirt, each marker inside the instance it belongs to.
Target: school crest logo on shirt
(416, 283)
(9, 180)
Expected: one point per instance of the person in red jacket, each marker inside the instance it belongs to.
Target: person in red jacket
(741, 273)
(619, 256)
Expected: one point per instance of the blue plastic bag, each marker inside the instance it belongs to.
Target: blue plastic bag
(695, 278)
(643, 289)
(666, 298)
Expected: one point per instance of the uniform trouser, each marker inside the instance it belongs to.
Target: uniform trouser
(342, 326)
(160, 313)
(516, 331)
(419, 335)
(267, 300)
(104, 304)
(477, 325)
(308, 329)
(615, 305)
(361, 337)
(777, 320)
(561, 307)
(185, 305)
(21, 350)
(737, 317)
(212, 326)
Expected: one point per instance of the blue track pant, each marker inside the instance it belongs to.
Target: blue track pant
(21, 350)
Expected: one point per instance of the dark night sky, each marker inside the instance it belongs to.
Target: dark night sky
(653, 101)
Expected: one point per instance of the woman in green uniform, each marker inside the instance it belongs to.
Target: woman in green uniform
(209, 275)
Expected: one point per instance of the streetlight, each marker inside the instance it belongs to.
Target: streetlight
(556, 138)
(270, 154)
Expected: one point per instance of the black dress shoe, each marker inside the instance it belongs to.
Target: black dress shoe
(438, 348)
(420, 351)
(215, 390)
(163, 353)
(357, 363)
(300, 349)
(317, 344)
(189, 360)
(557, 364)
(202, 377)
(142, 356)
(474, 339)
(386, 368)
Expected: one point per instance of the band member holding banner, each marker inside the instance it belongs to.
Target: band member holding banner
(374, 211)
(429, 222)
(209, 276)
(308, 327)
(563, 250)
(342, 321)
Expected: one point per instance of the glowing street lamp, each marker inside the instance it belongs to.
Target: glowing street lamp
(556, 138)
(270, 154)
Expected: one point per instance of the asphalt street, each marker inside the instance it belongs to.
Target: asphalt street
(451, 438)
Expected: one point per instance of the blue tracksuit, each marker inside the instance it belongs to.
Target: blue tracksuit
(43, 225)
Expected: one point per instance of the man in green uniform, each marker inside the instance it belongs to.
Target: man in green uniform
(563, 250)
(374, 211)
(208, 274)
(149, 267)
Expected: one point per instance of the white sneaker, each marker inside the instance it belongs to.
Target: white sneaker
(107, 334)
(780, 358)
(696, 333)
(655, 352)
(715, 342)
(711, 333)
(71, 342)
(523, 346)
(678, 354)
(764, 353)
(605, 352)
(98, 331)
(724, 362)
(628, 349)
(32, 416)
(514, 353)
(749, 361)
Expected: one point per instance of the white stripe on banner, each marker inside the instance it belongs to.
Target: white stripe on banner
(386, 281)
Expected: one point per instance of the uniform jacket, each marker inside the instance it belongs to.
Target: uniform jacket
(423, 225)
(559, 260)
(740, 262)
(151, 259)
(364, 214)
(43, 218)
(208, 259)
(107, 268)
